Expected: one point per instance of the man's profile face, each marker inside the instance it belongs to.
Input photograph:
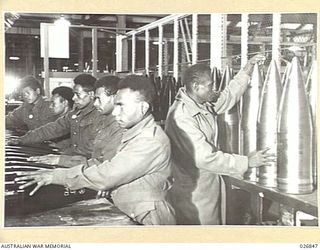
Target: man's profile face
(204, 89)
(81, 98)
(30, 95)
(58, 104)
(103, 101)
(127, 108)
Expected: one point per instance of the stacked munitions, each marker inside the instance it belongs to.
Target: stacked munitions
(49, 197)
(278, 114)
(166, 90)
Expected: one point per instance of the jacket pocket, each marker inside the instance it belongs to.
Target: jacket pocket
(136, 210)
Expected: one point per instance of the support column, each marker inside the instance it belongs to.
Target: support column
(160, 50)
(218, 40)
(133, 53)
(175, 48)
(46, 61)
(125, 55)
(184, 59)
(165, 57)
(80, 52)
(194, 38)
(119, 53)
(121, 45)
(244, 39)
(94, 52)
(147, 52)
(276, 36)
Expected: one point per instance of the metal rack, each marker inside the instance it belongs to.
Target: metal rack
(266, 31)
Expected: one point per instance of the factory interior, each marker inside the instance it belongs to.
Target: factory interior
(277, 110)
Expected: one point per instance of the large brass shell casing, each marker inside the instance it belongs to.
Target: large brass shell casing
(267, 122)
(228, 122)
(311, 88)
(294, 132)
(248, 124)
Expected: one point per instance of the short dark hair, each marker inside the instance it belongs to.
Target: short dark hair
(140, 84)
(194, 74)
(30, 81)
(110, 83)
(64, 92)
(86, 81)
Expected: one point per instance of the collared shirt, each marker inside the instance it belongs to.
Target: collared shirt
(137, 175)
(31, 115)
(79, 123)
(105, 145)
(192, 130)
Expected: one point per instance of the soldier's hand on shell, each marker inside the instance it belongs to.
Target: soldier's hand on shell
(41, 178)
(259, 58)
(50, 159)
(260, 158)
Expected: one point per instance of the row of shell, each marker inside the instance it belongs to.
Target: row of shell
(279, 114)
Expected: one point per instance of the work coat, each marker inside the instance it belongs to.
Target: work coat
(105, 144)
(31, 116)
(79, 123)
(137, 176)
(197, 161)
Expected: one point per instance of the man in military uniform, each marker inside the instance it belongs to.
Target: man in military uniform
(61, 103)
(34, 112)
(138, 175)
(109, 133)
(79, 122)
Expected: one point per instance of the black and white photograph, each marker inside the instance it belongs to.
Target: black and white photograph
(169, 119)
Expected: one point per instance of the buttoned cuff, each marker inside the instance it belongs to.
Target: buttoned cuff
(63, 159)
(67, 177)
(86, 173)
(59, 176)
(73, 178)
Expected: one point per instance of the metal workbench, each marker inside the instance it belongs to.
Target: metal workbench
(93, 212)
(307, 203)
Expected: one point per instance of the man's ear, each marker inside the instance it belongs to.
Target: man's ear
(66, 102)
(38, 91)
(112, 98)
(91, 94)
(195, 86)
(144, 107)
